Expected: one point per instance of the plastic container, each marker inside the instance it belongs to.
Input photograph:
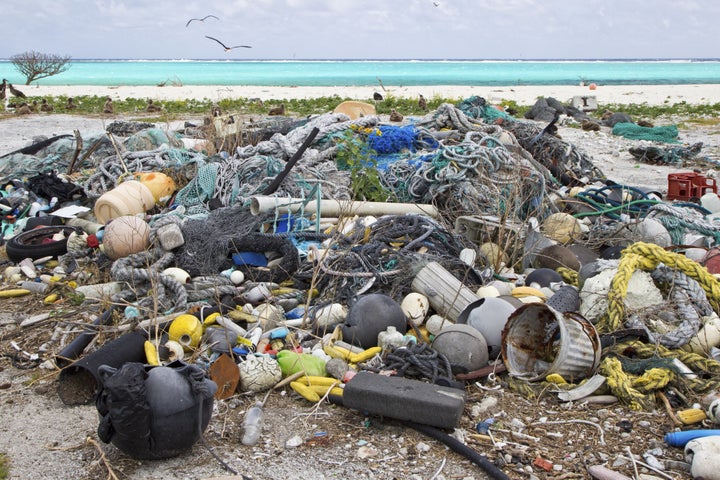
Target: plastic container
(128, 198)
(688, 185)
(390, 337)
(161, 185)
(252, 424)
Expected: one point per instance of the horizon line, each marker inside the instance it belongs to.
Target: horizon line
(505, 59)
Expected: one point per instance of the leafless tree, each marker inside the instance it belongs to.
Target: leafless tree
(36, 65)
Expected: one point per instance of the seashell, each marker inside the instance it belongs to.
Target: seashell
(415, 306)
(178, 274)
(259, 373)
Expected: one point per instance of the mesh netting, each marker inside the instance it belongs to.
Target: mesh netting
(665, 133)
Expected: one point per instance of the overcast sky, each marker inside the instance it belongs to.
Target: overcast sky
(379, 29)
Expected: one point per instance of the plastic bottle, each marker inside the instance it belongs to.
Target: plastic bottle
(252, 424)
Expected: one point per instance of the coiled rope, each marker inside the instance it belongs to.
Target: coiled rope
(635, 390)
(647, 256)
(678, 220)
(418, 360)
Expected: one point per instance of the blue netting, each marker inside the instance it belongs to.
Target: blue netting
(391, 139)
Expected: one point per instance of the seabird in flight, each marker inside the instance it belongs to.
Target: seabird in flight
(227, 49)
(201, 19)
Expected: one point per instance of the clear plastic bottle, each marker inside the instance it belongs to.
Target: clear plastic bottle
(252, 424)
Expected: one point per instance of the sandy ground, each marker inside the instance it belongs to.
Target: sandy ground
(45, 439)
(522, 94)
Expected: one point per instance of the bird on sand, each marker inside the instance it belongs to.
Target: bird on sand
(13, 90)
(201, 19)
(422, 103)
(45, 106)
(108, 107)
(280, 110)
(227, 49)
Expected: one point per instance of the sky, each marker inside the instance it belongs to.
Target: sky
(369, 29)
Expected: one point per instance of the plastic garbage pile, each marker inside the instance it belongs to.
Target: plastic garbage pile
(381, 266)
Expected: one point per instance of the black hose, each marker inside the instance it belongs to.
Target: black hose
(76, 347)
(291, 163)
(459, 447)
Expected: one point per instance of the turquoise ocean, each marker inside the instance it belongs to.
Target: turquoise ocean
(372, 72)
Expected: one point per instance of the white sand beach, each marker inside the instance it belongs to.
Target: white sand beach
(523, 95)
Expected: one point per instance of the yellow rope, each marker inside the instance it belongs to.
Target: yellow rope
(568, 275)
(620, 384)
(647, 256)
(697, 363)
(653, 379)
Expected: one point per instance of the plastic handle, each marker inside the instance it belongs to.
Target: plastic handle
(680, 439)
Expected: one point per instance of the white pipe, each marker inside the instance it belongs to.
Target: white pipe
(264, 204)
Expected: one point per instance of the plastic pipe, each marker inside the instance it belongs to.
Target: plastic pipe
(680, 439)
(335, 208)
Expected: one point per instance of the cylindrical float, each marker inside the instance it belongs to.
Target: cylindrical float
(538, 340)
(447, 295)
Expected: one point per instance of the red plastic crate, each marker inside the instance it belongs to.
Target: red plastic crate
(689, 185)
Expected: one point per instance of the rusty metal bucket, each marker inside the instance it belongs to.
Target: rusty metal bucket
(538, 340)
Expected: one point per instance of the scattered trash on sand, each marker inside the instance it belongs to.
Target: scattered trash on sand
(420, 272)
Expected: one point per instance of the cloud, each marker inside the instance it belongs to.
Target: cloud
(365, 29)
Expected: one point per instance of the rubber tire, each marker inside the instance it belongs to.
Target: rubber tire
(24, 245)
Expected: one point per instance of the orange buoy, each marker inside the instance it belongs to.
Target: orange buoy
(592, 86)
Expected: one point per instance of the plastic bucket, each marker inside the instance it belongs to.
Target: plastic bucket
(538, 340)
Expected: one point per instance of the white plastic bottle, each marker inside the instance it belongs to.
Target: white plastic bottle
(252, 424)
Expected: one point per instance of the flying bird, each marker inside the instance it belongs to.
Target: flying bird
(201, 19)
(227, 49)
